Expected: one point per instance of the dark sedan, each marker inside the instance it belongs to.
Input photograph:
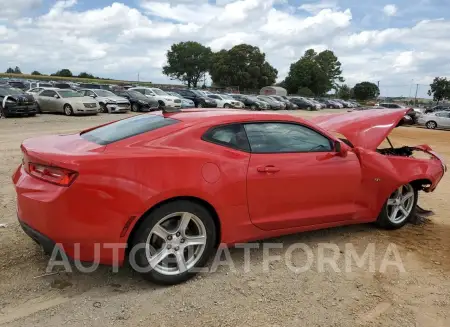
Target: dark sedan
(139, 102)
(251, 102)
(14, 101)
(200, 100)
(274, 104)
(303, 104)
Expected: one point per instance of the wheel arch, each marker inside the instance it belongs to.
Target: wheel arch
(194, 199)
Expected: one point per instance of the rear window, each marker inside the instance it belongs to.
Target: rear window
(127, 128)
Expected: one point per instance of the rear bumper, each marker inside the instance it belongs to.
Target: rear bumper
(51, 215)
(46, 243)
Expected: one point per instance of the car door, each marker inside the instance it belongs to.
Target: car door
(218, 99)
(444, 119)
(43, 100)
(296, 178)
(54, 104)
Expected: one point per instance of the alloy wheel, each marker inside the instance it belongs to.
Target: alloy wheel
(431, 125)
(400, 204)
(68, 110)
(176, 243)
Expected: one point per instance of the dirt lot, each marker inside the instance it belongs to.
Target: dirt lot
(420, 296)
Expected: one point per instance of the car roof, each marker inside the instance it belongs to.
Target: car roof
(218, 116)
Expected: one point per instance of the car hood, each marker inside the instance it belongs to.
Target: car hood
(20, 98)
(365, 128)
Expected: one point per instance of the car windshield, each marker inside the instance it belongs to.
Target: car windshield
(228, 97)
(175, 94)
(17, 84)
(104, 93)
(253, 98)
(69, 94)
(196, 92)
(10, 91)
(137, 95)
(159, 92)
(62, 86)
(45, 85)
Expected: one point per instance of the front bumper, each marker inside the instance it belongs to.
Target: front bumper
(117, 107)
(20, 109)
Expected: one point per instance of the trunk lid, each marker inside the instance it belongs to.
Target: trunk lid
(57, 149)
(365, 128)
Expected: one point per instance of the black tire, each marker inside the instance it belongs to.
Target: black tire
(32, 115)
(38, 108)
(68, 111)
(135, 107)
(199, 105)
(253, 107)
(155, 216)
(226, 105)
(431, 124)
(383, 220)
(161, 105)
(2, 112)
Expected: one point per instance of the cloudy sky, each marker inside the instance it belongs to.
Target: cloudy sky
(400, 43)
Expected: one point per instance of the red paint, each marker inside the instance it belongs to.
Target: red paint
(255, 195)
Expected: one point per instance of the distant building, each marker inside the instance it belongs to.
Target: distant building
(273, 90)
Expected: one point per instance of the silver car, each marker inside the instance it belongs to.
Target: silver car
(108, 101)
(440, 119)
(66, 101)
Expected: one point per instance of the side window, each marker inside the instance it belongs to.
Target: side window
(89, 93)
(83, 92)
(232, 136)
(139, 90)
(149, 92)
(214, 96)
(285, 137)
(47, 93)
(443, 114)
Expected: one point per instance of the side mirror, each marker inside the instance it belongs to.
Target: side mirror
(92, 95)
(56, 96)
(339, 149)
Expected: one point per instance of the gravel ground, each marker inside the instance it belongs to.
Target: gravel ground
(419, 296)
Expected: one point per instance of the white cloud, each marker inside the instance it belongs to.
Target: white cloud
(15, 8)
(316, 7)
(390, 10)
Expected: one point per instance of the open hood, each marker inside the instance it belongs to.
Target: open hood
(365, 128)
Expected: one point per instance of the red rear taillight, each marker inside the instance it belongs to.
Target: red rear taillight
(54, 175)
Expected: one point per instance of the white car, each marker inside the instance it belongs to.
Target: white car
(439, 119)
(226, 101)
(109, 102)
(164, 99)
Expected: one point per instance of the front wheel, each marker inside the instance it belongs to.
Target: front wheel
(135, 107)
(253, 107)
(200, 105)
(227, 105)
(103, 108)
(431, 125)
(399, 207)
(161, 105)
(172, 241)
(68, 111)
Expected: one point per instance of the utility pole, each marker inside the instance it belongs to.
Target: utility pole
(417, 89)
(138, 77)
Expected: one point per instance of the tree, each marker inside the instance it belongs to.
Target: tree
(85, 75)
(344, 92)
(188, 62)
(35, 72)
(63, 73)
(244, 66)
(10, 71)
(365, 91)
(17, 70)
(305, 92)
(439, 89)
(319, 72)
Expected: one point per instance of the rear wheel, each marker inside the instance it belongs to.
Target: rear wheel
(68, 111)
(431, 125)
(399, 207)
(172, 241)
(226, 105)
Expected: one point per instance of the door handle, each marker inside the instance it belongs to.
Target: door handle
(268, 169)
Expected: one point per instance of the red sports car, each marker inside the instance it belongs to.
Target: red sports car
(171, 187)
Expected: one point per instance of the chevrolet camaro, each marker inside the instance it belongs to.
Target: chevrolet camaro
(170, 187)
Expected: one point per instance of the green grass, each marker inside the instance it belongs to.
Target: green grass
(71, 79)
